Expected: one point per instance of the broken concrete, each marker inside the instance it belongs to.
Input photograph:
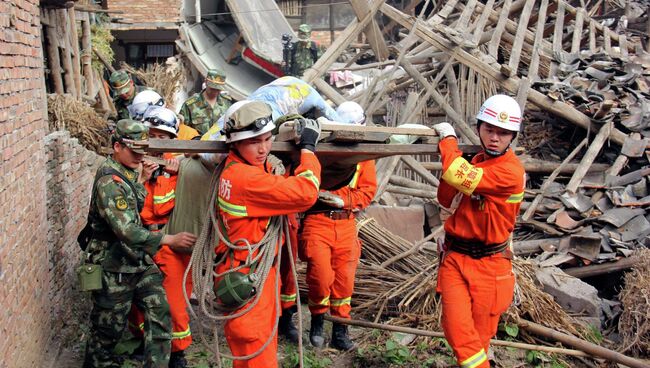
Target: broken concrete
(571, 293)
(411, 220)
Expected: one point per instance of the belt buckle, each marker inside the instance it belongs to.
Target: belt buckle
(331, 214)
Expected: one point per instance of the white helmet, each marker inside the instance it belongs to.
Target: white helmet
(143, 100)
(247, 119)
(351, 112)
(502, 111)
(161, 118)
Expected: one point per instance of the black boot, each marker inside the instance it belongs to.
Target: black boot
(286, 327)
(316, 332)
(340, 339)
(177, 360)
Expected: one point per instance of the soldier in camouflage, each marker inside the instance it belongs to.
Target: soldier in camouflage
(203, 109)
(124, 249)
(124, 90)
(304, 52)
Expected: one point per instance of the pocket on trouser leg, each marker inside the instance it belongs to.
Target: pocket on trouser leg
(504, 291)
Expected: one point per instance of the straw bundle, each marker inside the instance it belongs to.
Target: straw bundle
(66, 113)
(402, 288)
(634, 324)
(164, 79)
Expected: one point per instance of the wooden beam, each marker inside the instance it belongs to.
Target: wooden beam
(603, 268)
(517, 46)
(498, 31)
(87, 54)
(589, 157)
(340, 43)
(489, 71)
(577, 31)
(76, 55)
(53, 58)
(373, 34)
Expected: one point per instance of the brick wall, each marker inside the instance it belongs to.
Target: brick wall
(324, 38)
(70, 172)
(24, 305)
(146, 12)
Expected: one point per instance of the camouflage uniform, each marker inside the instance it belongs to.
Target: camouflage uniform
(124, 249)
(197, 112)
(304, 52)
(120, 82)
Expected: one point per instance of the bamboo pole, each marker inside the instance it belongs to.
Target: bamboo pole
(408, 183)
(587, 347)
(414, 331)
(86, 54)
(53, 51)
(426, 194)
(74, 41)
(62, 20)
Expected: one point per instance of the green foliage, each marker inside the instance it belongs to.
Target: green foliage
(396, 353)
(593, 334)
(510, 329)
(101, 39)
(540, 359)
(310, 359)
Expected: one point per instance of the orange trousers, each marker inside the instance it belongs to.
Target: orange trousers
(173, 266)
(475, 292)
(288, 289)
(249, 332)
(331, 249)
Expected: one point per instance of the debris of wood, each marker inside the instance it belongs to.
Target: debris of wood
(82, 121)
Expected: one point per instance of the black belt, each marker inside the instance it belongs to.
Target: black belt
(333, 214)
(474, 249)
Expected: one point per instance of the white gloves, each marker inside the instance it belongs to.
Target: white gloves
(444, 130)
(331, 199)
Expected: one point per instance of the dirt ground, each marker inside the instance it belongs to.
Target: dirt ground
(378, 349)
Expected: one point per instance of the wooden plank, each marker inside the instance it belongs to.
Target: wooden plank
(498, 30)
(489, 71)
(577, 31)
(533, 69)
(480, 25)
(328, 91)
(465, 16)
(454, 92)
(66, 49)
(385, 168)
(515, 53)
(442, 15)
(589, 157)
(372, 32)
(423, 101)
(340, 43)
(557, 36)
(412, 192)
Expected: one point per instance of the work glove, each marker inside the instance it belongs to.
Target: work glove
(444, 130)
(331, 199)
(309, 132)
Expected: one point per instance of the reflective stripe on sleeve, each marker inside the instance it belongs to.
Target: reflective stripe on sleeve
(288, 297)
(515, 198)
(463, 176)
(233, 209)
(310, 175)
(164, 198)
(355, 178)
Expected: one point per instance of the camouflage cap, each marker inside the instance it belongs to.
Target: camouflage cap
(304, 32)
(120, 81)
(129, 132)
(215, 79)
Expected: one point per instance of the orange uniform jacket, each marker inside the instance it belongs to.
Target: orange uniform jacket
(492, 193)
(332, 249)
(248, 197)
(476, 291)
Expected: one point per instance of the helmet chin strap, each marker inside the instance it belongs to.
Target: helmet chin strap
(493, 153)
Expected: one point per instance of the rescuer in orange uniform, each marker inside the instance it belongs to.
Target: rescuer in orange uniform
(330, 246)
(475, 277)
(158, 205)
(249, 196)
